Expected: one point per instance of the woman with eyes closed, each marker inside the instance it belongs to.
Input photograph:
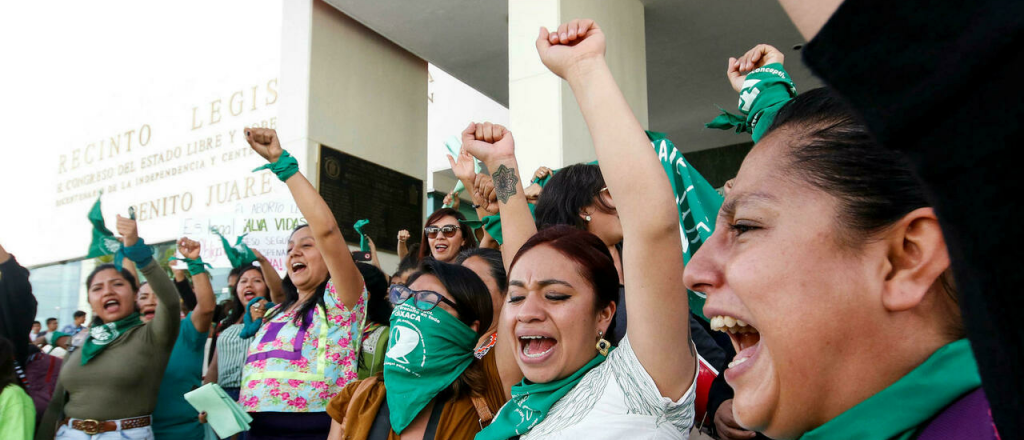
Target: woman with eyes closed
(563, 285)
(824, 222)
(108, 387)
(445, 235)
(307, 347)
(432, 386)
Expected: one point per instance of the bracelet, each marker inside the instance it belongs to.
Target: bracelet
(195, 267)
(475, 206)
(286, 166)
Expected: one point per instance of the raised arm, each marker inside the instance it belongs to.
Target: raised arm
(271, 277)
(185, 290)
(652, 257)
(163, 329)
(493, 144)
(403, 249)
(348, 282)
(373, 253)
(206, 301)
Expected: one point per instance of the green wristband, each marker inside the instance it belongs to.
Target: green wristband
(285, 167)
(195, 267)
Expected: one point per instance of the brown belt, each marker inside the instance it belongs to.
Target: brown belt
(93, 427)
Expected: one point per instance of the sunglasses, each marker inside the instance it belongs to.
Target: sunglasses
(424, 300)
(448, 231)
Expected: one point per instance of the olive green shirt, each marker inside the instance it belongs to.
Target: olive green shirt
(123, 381)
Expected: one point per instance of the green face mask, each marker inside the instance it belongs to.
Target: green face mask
(427, 351)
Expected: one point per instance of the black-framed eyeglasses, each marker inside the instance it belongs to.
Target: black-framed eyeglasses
(424, 300)
(448, 231)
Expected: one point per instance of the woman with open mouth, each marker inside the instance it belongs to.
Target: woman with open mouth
(563, 285)
(173, 416)
(307, 348)
(830, 273)
(445, 235)
(91, 394)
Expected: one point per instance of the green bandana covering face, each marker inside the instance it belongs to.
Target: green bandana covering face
(101, 336)
(364, 244)
(531, 402)
(427, 351)
(696, 200)
(765, 90)
(898, 411)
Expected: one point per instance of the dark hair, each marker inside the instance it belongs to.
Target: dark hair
(378, 307)
(833, 150)
(473, 302)
(593, 261)
(7, 376)
(79, 314)
(291, 296)
(468, 237)
(410, 262)
(49, 320)
(37, 322)
(569, 191)
(237, 308)
(493, 259)
(124, 273)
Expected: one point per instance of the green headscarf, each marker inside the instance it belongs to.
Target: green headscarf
(531, 402)
(427, 351)
(102, 335)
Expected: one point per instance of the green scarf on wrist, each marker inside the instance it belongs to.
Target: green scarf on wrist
(286, 166)
(102, 335)
(531, 402)
(765, 90)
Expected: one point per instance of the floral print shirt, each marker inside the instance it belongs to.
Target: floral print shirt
(291, 369)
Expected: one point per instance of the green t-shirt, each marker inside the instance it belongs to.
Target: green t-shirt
(17, 414)
(898, 411)
(173, 417)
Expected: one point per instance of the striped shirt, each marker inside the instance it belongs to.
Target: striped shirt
(231, 351)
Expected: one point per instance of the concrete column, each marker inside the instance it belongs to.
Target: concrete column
(347, 87)
(544, 118)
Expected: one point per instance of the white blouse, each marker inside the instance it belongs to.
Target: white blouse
(617, 400)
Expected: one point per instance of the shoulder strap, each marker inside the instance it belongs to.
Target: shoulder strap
(482, 410)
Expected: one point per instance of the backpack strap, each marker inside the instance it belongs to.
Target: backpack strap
(482, 410)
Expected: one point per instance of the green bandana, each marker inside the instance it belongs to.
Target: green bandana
(285, 167)
(531, 402)
(101, 336)
(427, 351)
(897, 411)
(195, 267)
(765, 90)
(696, 200)
(239, 255)
(364, 244)
(103, 241)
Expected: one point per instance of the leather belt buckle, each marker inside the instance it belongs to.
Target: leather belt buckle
(90, 426)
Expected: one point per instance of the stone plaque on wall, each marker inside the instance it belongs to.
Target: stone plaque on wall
(357, 189)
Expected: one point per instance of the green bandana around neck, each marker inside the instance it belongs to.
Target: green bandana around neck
(427, 351)
(531, 402)
(102, 335)
(239, 255)
(364, 244)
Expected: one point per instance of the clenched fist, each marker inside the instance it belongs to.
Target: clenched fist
(189, 248)
(488, 142)
(759, 56)
(264, 142)
(571, 45)
(128, 229)
(403, 235)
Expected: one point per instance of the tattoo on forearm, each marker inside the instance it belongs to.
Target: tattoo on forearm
(505, 181)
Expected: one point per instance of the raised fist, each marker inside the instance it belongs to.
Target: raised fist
(759, 56)
(572, 43)
(541, 173)
(488, 142)
(452, 199)
(264, 141)
(403, 235)
(128, 229)
(189, 248)
(485, 195)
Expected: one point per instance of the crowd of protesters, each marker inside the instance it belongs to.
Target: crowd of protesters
(839, 295)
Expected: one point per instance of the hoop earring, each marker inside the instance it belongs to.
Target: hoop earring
(602, 344)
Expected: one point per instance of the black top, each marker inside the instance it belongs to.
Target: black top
(17, 307)
(939, 81)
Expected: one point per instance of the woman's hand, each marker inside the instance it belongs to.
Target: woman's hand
(570, 47)
(189, 248)
(202, 417)
(488, 142)
(452, 199)
(727, 426)
(264, 142)
(403, 236)
(484, 195)
(128, 229)
(258, 310)
(759, 56)
(464, 167)
(541, 173)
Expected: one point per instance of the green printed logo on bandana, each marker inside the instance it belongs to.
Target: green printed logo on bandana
(697, 201)
(427, 351)
(101, 336)
(103, 241)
